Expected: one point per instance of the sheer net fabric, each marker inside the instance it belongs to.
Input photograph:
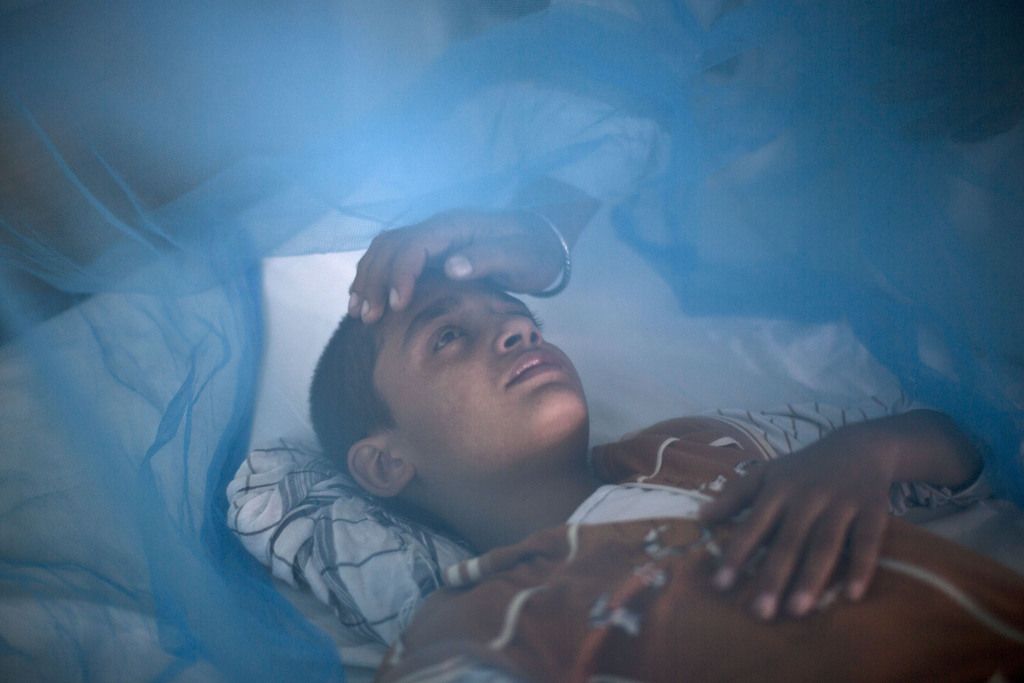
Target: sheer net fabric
(811, 161)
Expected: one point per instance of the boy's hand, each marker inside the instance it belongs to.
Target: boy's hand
(516, 249)
(807, 508)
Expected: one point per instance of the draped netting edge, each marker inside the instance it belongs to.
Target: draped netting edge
(785, 180)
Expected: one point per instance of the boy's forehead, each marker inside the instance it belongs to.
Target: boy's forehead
(434, 297)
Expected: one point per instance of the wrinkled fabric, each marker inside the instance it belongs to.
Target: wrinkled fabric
(317, 530)
(812, 161)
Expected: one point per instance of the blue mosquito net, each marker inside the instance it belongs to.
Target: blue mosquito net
(854, 160)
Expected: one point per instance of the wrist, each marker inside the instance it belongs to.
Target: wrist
(925, 446)
(554, 235)
(881, 445)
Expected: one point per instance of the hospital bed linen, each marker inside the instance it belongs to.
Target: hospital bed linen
(316, 530)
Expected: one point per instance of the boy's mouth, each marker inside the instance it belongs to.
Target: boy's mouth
(531, 364)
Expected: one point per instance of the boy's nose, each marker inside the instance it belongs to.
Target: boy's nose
(516, 332)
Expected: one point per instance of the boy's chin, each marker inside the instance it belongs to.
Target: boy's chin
(560, 417)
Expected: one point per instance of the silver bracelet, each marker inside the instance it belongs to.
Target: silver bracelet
(563, 280)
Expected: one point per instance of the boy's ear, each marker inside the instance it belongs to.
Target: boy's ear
(376, 467)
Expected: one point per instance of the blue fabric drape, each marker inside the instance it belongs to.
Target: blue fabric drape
(817, 141)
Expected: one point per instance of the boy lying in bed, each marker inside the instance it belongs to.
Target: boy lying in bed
(624, 560)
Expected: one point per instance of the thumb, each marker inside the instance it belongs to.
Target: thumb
(478, 261)
(458, 267)
(509, 263)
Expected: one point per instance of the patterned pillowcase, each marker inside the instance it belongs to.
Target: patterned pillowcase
(317, 530)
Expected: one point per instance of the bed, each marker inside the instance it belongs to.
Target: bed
(738, 362)
(735, 362)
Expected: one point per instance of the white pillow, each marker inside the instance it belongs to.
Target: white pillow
(315, 529)
(304, 298)
(640, 357)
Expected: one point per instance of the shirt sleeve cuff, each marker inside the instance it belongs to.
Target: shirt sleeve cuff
(906, 495)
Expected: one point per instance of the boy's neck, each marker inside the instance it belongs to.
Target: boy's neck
(509, 515)
(542, 491)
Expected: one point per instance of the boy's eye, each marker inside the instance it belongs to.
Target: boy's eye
(537, 322)
(445, 336)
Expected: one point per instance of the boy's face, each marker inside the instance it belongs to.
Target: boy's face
(474, 390)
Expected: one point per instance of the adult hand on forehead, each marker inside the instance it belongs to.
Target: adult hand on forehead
(515, 249)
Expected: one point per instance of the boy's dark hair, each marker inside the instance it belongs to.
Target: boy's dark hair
(345, 407)
(343, 401)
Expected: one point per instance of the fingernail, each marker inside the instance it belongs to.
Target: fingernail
(458, 266)
(800, 604)
(764, 606)
(724, 578)
(855, 591)
(353, 303)
(393, 299)
(365, 309)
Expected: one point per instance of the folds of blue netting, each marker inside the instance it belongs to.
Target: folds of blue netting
(812, 161)
(120, 418)
(840, 147)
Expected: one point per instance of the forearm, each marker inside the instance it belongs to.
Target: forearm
(923, 446)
